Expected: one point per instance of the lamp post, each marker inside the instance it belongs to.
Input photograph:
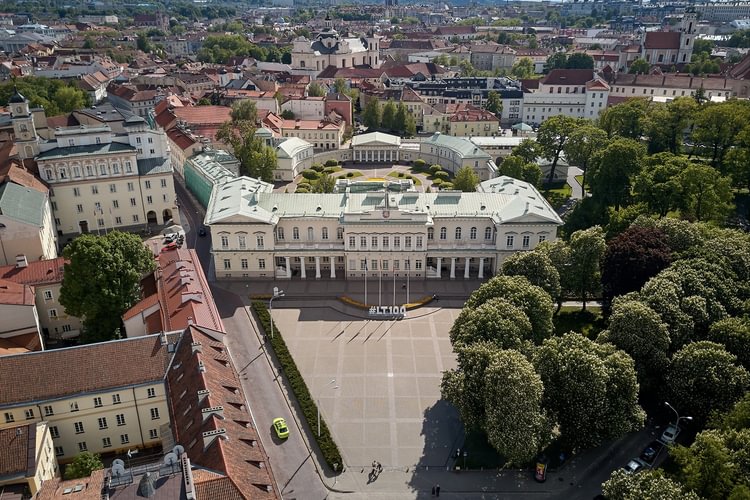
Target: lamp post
(334, 387)
(277, 294)
(677, 422)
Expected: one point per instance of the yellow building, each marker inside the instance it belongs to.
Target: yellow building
(26, 458)
(103, 398)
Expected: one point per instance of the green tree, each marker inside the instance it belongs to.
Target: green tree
(639, 66)
(315, 90)
(83, 465)
(737, 160)
(70, 98)
(494, 104)
(401, 117)
(579, 60)
(523, 68)
(371, 114)
(734, 335)
(466, 179)
(516, 424)
(717, 127)
(497, 321)
(646, 484)
(624, 119)
(558, 253)
(704, 377)
(590, 390)
(143, 43)
(528, 149)
(324, 184)
(613, 171)
(558, 60)
(586, 251)
(706, 195)
(701, 46)
(102, 281)
(552, 137)
(658, 185)
(514, 166)
(388, 116)
(536, 267)
(636, 329)
(665, 124)
(256, 158)
(583, 144)
(244, 110)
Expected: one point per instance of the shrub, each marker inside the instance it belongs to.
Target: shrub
(327, 445)
(435, 168)
(301, 190)
(350, 174)
(317, 167)
(310, 174)
(420, 164)
(437, 182)
(446, 186)
(442, 175)
(330, 170)
(400, 174)
(332, 163)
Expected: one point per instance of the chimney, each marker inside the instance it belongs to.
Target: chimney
(201, 367)
(187, 477)
(21, 261)
(210, 436)
(214, 410)
(203, 394)
(196, 347)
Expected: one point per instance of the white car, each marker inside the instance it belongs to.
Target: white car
(670, 434)
(635, 465)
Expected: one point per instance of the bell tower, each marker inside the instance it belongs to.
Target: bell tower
(688, 28)
(27, 142)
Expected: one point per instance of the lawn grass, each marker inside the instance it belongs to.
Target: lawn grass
(356, 173)
(587, 187)
(589, 322)
(557, 193)
(414, 179)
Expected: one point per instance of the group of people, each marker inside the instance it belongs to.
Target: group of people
(377, 468)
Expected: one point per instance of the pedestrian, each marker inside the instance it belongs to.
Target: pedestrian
(437, 490)
(433, 491)
(380, 467)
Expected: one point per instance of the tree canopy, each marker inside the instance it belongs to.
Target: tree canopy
(53, 95)
(83, 465)
(102, 281)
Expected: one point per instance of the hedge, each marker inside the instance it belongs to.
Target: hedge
(446, 186)
(317, 167)
(420, 164)
(332, 163)
(327, 445)
(435, 168)
(310, 174)
(442, 174)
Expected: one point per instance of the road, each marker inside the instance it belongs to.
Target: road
(290, 460)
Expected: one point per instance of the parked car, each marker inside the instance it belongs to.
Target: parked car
(651, 451)
(669, 436)
(279, 425)
(635, 465)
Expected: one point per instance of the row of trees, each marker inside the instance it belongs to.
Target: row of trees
(391, 117)
(220, 48)
(55, 96)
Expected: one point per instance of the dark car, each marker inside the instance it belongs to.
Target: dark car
(202, 232)
(651, 451)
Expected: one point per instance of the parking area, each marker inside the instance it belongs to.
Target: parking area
(377, 383)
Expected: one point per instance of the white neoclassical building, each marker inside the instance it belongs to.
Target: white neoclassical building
(375, 147)
(382, 233)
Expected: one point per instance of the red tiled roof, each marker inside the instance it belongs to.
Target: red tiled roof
(17, 451)
(141, 306)
(53, 489)
(40, 376)
(473, 114)
(568, 77)
(662, 40)
(20, 344)
(203, 114)
(14, 294)
(40, 272)
(204, 364)
(180, 138)
(67, 120)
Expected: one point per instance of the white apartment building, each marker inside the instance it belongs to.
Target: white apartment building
(452, 153)
(26, 224)
(351, 235)
(577, 93)
(103, 398)
(306, 108)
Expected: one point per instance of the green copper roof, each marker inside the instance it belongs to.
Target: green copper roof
(22, 204)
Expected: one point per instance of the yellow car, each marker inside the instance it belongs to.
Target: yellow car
(279, 425)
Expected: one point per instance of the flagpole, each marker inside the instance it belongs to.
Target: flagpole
(365, 280)
(380, 284)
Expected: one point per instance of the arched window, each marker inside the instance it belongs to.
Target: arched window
(458, 233)
(488, 233)
(324, 233)
(430, 233)
(310, 234)
(295, 233)
(48, 173)
(89, 170)
(473, 233)
(443, 233)
(76, 172)
(340, 233)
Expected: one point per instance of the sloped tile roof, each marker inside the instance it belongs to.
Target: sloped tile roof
(41, 272)
(22, 204)
(46, 375)
(15, 294)
(15, 445)
(662, 40)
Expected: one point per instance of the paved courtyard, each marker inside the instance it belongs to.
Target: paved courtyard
(378, 382)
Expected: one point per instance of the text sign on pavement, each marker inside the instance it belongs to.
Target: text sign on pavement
(397, 312)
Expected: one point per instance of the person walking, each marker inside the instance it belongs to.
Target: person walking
(437, 490)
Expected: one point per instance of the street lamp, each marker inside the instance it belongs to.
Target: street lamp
(334, 387)
(277, 294)
(677, 423)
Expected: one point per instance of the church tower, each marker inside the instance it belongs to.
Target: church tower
(27, 142)
(688, 28)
